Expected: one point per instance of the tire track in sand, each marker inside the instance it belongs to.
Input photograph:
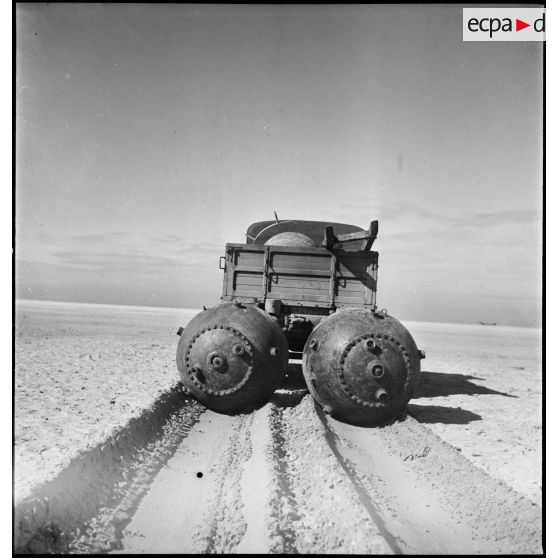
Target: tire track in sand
(284, 508)
(104, 531)
(431, 497)
(226, 514)
(328, 513)
(270, 485)
(191, 506)
(288, 479)
(84, 508)
(268, 501)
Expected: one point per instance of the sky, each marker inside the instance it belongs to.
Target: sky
(148, 136)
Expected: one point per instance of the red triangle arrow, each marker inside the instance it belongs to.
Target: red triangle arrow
(519, 25)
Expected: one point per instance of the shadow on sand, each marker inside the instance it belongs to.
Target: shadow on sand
(430, 414)
(432, 384)
(438, 384)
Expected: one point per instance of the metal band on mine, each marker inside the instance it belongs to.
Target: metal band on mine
(356, 341)
(249, 350)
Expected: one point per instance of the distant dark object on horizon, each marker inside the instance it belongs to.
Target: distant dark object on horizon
(487, 323)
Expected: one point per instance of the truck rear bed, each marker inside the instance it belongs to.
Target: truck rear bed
(315, 277)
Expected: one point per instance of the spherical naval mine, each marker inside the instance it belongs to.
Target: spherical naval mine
(362, 367)
(232, 357)
(292, 239)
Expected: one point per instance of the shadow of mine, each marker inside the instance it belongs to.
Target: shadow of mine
(439, 384)
(430, 414)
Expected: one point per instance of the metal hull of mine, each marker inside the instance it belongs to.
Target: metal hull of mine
(361, 366)
(232, 357)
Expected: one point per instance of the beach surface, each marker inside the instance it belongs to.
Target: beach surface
(81, 371)
(84, 371)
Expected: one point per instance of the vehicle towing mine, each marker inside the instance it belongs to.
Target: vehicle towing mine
(306, 291)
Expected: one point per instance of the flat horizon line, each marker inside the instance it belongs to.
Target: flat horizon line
(183, 309)
(102, 304)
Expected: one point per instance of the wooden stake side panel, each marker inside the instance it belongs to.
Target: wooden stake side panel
(309, 276)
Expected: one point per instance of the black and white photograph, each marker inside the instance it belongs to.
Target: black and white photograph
(278, 278)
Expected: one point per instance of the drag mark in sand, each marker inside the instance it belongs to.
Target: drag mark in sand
(364, 496)
(330, 515)
(258, 484)
(430, 497)
(104, 531)
(228, 524)
(94, 493)
(177, 514)
(283, 501)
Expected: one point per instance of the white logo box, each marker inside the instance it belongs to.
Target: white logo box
(502, 24)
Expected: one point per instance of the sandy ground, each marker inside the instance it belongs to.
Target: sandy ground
(81, 371)
(288, 479)
(481, 391)
(84, 370)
